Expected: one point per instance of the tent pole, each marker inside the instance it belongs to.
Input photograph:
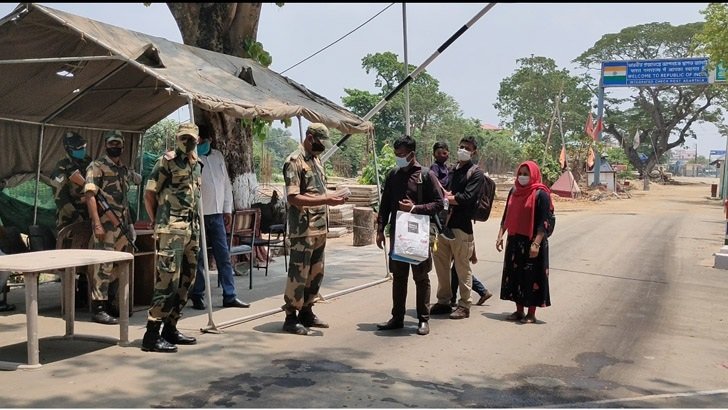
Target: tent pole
(300, 130)
(406, 71)
(37, 175)
(410, 77)
(379, 197)
(203, 242)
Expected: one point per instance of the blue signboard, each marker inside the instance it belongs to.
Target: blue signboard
(717, 152)
(646, 73)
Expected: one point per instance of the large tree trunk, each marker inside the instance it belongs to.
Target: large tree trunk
(224, 27)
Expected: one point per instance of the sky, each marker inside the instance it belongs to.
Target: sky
(470, 69)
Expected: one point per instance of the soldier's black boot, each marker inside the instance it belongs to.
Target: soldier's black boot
(172, 335)
(291, 324)
(100, 315)
(82, 291)
(309, 319)
(153, 342)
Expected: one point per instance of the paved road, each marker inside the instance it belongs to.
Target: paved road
(637, 321)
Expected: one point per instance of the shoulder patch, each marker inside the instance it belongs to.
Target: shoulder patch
(170, 155)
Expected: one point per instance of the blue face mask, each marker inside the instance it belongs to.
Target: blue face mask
(78, 153)
(401, 162)
(203, 148)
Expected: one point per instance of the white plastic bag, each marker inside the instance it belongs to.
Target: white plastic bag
(411, 238)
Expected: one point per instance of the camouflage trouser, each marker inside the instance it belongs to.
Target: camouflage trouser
(107, 272)
(176, 267)
(305, 271)
(69, 214)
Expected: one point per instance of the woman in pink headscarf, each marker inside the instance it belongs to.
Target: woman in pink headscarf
(526, 261)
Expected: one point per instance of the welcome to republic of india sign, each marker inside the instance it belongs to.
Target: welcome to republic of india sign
(647, 73)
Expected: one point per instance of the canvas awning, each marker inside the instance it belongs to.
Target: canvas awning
(70, 72)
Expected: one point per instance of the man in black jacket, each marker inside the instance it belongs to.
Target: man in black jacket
(409, 188)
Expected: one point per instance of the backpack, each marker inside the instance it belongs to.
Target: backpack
(486, 196)
(550, 222)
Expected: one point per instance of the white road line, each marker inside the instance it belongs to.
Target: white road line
(642, 398)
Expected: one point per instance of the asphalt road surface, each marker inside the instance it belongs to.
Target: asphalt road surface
(638, 319)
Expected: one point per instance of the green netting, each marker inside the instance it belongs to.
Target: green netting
(16, 206)
(16, 203)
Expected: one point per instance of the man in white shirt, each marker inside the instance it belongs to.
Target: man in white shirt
(217, 204)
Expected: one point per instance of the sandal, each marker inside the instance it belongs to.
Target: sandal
(515, 316)
(529, 319)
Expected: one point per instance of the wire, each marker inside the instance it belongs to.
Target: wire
(341, 38)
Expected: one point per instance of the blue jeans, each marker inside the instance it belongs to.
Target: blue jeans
(216, 238)
(478, 286)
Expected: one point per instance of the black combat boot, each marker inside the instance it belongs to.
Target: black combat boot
(100, 315)
(309, 319)
(152, 342)
(291, 324)
(82, 291)
(172, 335)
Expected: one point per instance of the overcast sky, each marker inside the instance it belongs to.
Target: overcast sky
(470, 70)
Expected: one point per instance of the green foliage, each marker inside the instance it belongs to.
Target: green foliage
(278, 144)
(713, 39)
(550, 168)
(499, 152)
(386, 163)
(428, 105)
(255, 50)
(160, 137)
(527, 100)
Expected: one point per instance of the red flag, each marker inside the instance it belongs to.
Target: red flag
(590, 159)
(597, 129)
(562, 157)
(589, 127)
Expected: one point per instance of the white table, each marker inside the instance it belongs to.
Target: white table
(32, 264)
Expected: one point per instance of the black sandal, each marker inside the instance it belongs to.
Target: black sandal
(515, 316)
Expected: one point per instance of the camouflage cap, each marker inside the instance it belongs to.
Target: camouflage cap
(188, 128)
(114, 135)
(73, 141)
(318, 130)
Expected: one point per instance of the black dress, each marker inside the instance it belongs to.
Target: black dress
(526, 280)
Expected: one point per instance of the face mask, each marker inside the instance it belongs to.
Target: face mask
(402, 162)
(204, 148)
(463, 154)
(186, 145)
(524, 179)
(317, 147)
(114, 152)
(78, 153)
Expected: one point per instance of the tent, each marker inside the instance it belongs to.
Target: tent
(65, 72)
(566, 186)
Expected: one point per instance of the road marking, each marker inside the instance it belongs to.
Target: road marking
(641, 398)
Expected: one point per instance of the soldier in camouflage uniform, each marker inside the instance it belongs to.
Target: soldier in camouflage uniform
(307, 224)
(109, 178)
(69, 197)
(172, 195)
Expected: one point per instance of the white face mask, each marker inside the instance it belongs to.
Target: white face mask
(463, 154)
(524, 179)
(402, 162)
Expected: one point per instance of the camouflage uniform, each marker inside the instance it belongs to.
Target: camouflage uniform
(104, 177)
(307, 230)
(176, 181)
(68, 196)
